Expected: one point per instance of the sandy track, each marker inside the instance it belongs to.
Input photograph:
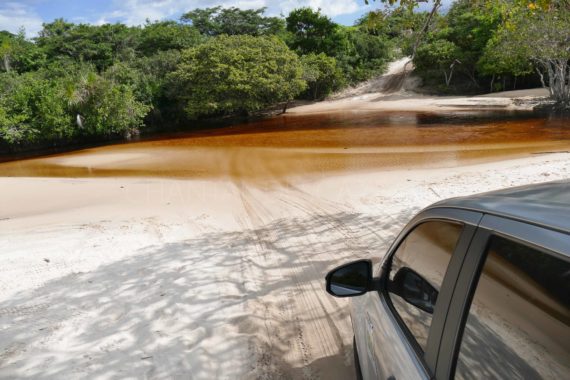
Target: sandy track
(396, 91)
(202, 279)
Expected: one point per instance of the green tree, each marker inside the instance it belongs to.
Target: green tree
(312, 32)
(149, 81)
(462, 41)
(47, 106)
(237, 74)
(322, 75)
(471, 26)
(6, 50)
(102, 107)
(16, 53)
(167, 35)
(397, 24)
(101, 45)
(497, 62)
(438, 56)
(363, 55)
(420, 34)
(233, 21)
(32, 109)
(539, 32)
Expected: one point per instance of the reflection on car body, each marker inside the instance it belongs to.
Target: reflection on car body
(475, 287)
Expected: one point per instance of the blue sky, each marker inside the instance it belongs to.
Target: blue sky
(30, 14)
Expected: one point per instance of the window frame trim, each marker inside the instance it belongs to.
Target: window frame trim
(470, 220)
(548, 241)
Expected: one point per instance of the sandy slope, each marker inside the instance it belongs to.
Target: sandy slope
(203, 279)
(411, 101)
(394, 91)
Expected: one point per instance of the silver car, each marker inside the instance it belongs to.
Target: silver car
(472, 288)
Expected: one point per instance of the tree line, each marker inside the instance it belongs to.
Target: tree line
(81, 82)
(495, 45)
(76, 82)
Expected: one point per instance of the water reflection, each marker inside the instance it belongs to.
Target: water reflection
(314, 145)
(518, 324)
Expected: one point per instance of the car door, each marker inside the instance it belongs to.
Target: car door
(509, 316)
(395, 339)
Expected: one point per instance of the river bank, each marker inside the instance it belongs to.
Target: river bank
(399, 90)
(208, 278)
(203, 254)
(519, 100)
(391, 92)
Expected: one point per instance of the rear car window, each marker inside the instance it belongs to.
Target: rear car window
(519, 320)
(427, 252)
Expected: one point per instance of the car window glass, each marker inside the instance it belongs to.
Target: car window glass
(417, 272)
(518, 325)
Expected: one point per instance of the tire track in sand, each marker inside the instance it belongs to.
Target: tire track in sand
(317, 324)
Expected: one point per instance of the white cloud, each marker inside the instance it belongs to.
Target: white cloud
(14, 16)
(22, 13)
(135, 12)
(330, 8)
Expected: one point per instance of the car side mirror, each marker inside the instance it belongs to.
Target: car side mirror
(349, 280)
(414, 289)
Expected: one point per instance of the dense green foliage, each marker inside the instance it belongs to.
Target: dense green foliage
(18, 54)
(360, 52)
(77, 82)
(237, 74)
(456, 44)
(322, 75)
(538, 34)
(32, 107)
(364, 55)
(399, 26)
(167, 35)
(312, 32)
(99, 45)
(233, 21)
(487, 45)
(38, 106)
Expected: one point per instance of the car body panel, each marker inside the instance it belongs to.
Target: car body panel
(385, 350)
(545, 204)
(554, 242)
(536, 216)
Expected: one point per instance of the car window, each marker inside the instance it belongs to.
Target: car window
(518, 325)
(417, 272)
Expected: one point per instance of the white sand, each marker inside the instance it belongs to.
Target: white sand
(391, 92)
(203, 279)
(523, 100)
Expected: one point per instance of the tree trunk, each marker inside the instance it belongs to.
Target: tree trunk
(423, 31)
(559, 85)
(285, 107)
(6, 61)
(471, 75)
(451, 67)
(492, 82)
(515, 83)
(541, 75)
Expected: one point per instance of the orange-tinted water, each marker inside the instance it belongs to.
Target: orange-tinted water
(314, 145)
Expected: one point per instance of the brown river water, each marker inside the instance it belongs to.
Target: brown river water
(314, 146)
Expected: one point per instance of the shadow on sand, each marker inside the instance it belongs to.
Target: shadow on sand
(246, 304)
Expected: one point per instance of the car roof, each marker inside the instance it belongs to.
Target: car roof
(545, 204)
